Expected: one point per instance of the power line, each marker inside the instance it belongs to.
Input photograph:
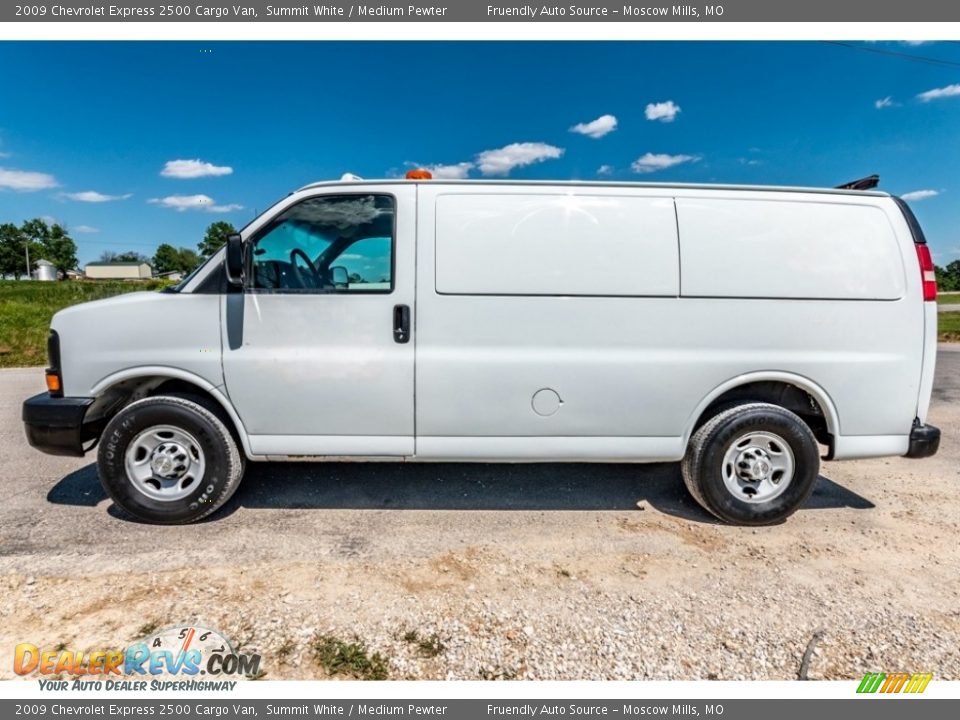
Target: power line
(893, 53)
(112, 242)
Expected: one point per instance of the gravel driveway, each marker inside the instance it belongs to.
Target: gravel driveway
(500, 571)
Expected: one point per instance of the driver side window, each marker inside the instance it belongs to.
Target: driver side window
(327, 244)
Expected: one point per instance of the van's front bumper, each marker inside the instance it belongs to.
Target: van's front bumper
(56, 425)
(924, 441)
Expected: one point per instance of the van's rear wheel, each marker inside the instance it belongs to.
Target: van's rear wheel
(753, 464)
(169, 460)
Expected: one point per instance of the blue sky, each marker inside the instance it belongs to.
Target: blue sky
(91, 133)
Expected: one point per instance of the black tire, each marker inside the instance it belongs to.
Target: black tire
(223, 463)
(703, 464)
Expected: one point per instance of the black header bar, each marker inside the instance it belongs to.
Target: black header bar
(481, 11)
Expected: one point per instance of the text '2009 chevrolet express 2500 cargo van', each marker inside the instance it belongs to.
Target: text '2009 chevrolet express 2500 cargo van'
(735, 329)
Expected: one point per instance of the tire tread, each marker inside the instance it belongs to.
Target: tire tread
(235, 460)
(691, 467)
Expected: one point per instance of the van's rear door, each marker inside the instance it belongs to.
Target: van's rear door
(928, 281)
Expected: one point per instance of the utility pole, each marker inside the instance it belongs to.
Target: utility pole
(26, 250)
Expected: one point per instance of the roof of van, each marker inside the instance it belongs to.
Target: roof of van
(595, 183)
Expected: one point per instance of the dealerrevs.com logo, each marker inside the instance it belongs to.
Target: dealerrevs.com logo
(188, 651)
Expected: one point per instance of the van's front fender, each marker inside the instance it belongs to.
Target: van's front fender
(152, 373)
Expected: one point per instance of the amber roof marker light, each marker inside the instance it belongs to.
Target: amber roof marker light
(419, 174)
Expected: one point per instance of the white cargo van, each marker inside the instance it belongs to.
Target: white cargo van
(737, 329)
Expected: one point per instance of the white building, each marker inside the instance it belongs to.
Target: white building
(118, 271)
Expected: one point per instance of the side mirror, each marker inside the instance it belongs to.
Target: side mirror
(233, 262)
(339, 277)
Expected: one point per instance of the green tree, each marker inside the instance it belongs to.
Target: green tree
(215, 237)
(12, 261)
(35, 230)
(60, 249)
(36, 234)
(948, 278)
(953, 272)
(171, 259)
(166, 259)
(188, 260)
(131, 256)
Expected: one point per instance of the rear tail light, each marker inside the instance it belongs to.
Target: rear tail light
(927, 273)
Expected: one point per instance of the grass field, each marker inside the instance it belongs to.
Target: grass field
(949, 326)
(950, 298)
(26, 309)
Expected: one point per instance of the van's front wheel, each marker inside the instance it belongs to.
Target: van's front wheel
(168, 460)
(753, 464)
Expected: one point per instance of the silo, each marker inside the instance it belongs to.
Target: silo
(46, 271)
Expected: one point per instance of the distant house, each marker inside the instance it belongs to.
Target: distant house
(46, 271)
(74, 275)
(118, 271)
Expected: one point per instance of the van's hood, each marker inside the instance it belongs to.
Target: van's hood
(74, 312)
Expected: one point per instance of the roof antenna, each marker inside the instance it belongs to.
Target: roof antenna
(867, 183)
(350, 177)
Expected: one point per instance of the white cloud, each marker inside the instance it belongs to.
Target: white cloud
(652, 162)
(505, 159)
(884, 103)
(662, 111)
(85, 229)
(605, 170)
(4, 154)
(457, 171)
(920, 194)
(596, 128)
(193, 169)
(193, 202)
(26, 180)
(92, 196)
(752, 162)
(937, 93)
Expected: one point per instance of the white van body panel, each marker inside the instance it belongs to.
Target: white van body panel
(136, 334)
(564, 243)
(643, 366)
(527, 347)
(796, 247)
(548, 449)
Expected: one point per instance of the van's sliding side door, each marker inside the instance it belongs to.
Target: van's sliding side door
(318, 348)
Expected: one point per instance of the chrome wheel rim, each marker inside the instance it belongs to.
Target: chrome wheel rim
(758, 467)
(165, 463)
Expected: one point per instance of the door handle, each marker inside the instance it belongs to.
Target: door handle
(401, 323)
